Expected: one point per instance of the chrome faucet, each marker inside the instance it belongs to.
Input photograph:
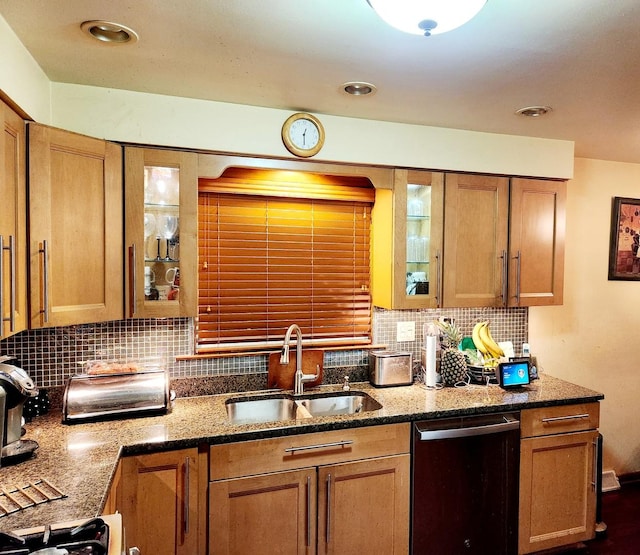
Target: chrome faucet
(299, 378)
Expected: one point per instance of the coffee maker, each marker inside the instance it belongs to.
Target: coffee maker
(15, 388)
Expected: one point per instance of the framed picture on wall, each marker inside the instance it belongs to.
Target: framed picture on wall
(624, 251)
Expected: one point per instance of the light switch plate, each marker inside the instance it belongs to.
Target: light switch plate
(406, 331)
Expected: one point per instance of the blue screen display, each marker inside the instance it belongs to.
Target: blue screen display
(514, 374)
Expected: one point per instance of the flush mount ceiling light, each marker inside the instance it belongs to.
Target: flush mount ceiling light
(358, 88)
(426, 17)
(107, 31)
(534, 111)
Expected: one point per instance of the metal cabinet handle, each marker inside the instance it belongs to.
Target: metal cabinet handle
(594, 477)
(134, 551)
(518, 260)
(133, 298)
(552, 419)
(328, 531)
(186, 497)
(319, 446)
(308, 511)
(505, 284)
(12, 284)
(438, 280)
(45, 279)
(2, 318)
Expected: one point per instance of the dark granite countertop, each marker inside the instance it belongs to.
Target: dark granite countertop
(80, 459)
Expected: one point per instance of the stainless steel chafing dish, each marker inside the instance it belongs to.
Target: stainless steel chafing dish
(112, 395)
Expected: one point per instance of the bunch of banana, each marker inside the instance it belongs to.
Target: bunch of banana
(484, 342)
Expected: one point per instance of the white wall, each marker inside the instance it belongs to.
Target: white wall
(21, 78)
(163, 120)
(593, 338)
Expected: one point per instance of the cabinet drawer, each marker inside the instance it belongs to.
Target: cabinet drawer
(260, 456)
(560, 419)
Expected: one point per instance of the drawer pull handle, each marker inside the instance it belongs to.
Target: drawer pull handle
(319, 446)
(553, 419)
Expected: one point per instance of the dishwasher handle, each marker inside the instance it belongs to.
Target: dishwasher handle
(503, 423)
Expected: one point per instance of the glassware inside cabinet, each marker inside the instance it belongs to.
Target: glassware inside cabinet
(418, 238)
(161, 233)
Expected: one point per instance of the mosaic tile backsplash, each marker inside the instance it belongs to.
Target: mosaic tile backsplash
(51, 355)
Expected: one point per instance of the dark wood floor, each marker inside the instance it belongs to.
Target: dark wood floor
(621, 514)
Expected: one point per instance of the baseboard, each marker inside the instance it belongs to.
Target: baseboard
(629, 478)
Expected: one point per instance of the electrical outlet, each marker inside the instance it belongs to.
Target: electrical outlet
(406, 331)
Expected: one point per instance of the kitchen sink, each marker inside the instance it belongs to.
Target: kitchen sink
(339, 403)
(264, 409)
(282, 406)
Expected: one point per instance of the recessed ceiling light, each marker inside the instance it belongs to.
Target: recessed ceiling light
(107, 31)
(534, 111)
(358, 88)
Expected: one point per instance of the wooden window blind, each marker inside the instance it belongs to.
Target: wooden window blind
(267, 262)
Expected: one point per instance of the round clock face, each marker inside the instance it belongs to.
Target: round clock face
(303, 135)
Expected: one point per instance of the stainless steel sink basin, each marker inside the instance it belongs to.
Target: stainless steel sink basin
(268, 409)
(281, 406)
(339, 403)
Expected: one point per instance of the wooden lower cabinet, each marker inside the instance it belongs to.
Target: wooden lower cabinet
(258, 514)
(557, 477)
(350, 506)
(363, 507)
(159, 498)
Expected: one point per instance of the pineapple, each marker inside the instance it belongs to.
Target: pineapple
(453, 364)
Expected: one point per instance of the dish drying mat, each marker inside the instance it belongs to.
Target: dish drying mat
(14, 499)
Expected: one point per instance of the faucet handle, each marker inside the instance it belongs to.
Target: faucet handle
(284, 355)
(346, 386)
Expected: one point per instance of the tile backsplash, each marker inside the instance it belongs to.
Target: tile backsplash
(51, 355)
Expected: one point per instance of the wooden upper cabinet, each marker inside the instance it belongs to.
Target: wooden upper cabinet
(161, 215)
(536, 242)
(13, 227)
(475, 240)
(75, 214)
(407, 241)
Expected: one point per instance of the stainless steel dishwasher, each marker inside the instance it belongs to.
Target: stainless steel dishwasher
(464, 495)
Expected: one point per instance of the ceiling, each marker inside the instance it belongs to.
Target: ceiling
(581, 57)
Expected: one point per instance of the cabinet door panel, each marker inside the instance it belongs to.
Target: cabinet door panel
(537, 234)
(363, 507)
(407, 241)
(156, 252)
(271, 513)
(160, 502)
(13, 228)
(475, 240)
(75, 206)
(557, 490)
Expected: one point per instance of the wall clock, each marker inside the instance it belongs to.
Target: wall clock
(303, 135)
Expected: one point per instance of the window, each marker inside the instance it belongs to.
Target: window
(277, 248)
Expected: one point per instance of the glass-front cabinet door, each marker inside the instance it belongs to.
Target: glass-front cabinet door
(419, 201)
(161, 188)
(407, 229)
